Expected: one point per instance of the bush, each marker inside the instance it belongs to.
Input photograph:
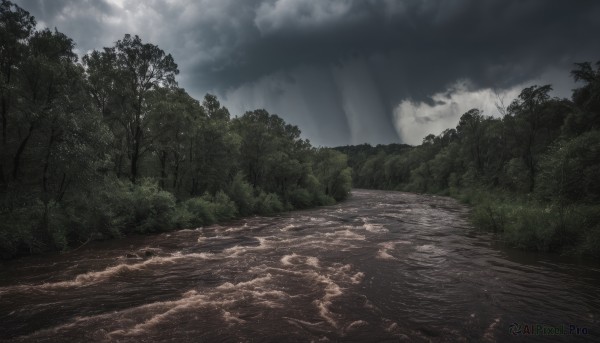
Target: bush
(204, 210)
(300, 198)
(569, 173)
(342, 184)
(317, 191)
(527, 223)
(143, 208)
(17, 228)
(99, 211)
(268, 204)
(56, 224)
(223, 207)
(34, 228)
(194, 212)
(333, 174)
(591, 240)
(241, 192)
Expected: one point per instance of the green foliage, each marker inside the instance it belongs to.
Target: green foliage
(300, 198)
(241, 192)
(268, 204)
(205, 210)
(223, 207)
(153, 208)
(98, 211)
(530, 176)
(533, 225)
(194, 212)
(17, 230)
(143, 208)
(571, 169)
(332, 172)
(112, 146)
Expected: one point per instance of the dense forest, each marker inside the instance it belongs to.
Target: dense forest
(532, 175)
(110, 145)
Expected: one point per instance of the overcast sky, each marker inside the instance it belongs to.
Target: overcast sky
(349, 71)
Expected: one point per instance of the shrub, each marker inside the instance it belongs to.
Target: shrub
(223, 207)
(17, 227)
(342, 185)
(569, 173)
(527, 223)
(300, 198)
(99, 211)
(204, 210)
(268, 203)
(194, 212)
(152, 209)
(241, 192)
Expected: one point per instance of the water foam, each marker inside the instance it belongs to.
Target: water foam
(228, 317)
(237, 229)
(356, 324)
(225, 297)
(103, 275)
(357, 278)
(374, 228)
(287, 228)
(383, 253)
(430, 249)
(293, 259)
(345, 235)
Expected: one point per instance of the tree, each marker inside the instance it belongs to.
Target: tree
(214, 148)
(470, 132)
(171, 123)
(535, 121)
(16, 28)
(137, 69)
(588, 96)
(332, 171)
(586, 115)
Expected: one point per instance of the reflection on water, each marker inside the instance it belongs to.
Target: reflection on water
(381, 266)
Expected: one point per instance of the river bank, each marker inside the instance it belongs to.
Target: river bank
(379, 266)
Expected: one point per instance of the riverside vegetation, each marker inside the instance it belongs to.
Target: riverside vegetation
(111, 146)
(532, 175)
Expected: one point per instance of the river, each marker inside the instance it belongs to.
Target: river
(381, 266)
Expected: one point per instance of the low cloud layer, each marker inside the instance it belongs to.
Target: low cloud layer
(348, 71)
(415, 120)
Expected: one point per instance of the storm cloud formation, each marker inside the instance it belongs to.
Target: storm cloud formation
(349, 71)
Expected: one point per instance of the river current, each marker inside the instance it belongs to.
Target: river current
(379, 267)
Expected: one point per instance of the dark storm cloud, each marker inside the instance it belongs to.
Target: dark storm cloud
(84, 21)
(339, 68)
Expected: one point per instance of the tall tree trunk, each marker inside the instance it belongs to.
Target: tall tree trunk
(62, 189)
(135, 154)
(47, 163)
(19, 153)
(5, 107)
(4, 111)
(134, 165)
(3, 184)
(163, 168)
(4, 153)
(176, 172)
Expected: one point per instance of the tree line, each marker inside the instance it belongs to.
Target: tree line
(531, 174)
(110, 145)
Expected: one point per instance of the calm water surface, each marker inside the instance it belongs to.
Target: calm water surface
(382, 266)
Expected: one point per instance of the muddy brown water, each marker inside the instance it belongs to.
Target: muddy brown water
(382, 266)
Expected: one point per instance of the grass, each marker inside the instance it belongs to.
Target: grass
(526, 223)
